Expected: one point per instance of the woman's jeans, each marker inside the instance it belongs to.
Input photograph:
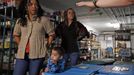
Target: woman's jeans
(31, 65)
(73, 58)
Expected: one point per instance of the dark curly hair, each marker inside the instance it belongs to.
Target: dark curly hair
(22, 11)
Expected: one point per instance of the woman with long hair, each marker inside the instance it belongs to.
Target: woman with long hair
(69, 31)
(29, 34)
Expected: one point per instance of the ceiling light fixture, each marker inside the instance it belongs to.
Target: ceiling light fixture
(113, 25)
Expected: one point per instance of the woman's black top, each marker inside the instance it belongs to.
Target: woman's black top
(69, 36)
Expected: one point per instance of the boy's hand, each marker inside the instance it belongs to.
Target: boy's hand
(46, 69)
(41, 71)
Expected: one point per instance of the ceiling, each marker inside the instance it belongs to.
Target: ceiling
(99, 20)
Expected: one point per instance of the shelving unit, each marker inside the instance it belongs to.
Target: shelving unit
(122, 44)
(84, 46)
(95, 47)
(89, 48)
(7, 45)
(95, 50)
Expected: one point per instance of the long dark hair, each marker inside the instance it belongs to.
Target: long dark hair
(66, 18)
(22, 11)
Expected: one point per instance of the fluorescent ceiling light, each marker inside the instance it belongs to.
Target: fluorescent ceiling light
(113, 25)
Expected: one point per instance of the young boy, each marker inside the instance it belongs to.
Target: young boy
(56, 62)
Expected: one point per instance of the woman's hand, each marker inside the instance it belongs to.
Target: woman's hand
(80, 4)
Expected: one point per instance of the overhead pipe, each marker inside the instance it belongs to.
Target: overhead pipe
(122, 14)
(119, 15)
(130, 14)
(105, 10)
(113, 13)
(125, 16)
